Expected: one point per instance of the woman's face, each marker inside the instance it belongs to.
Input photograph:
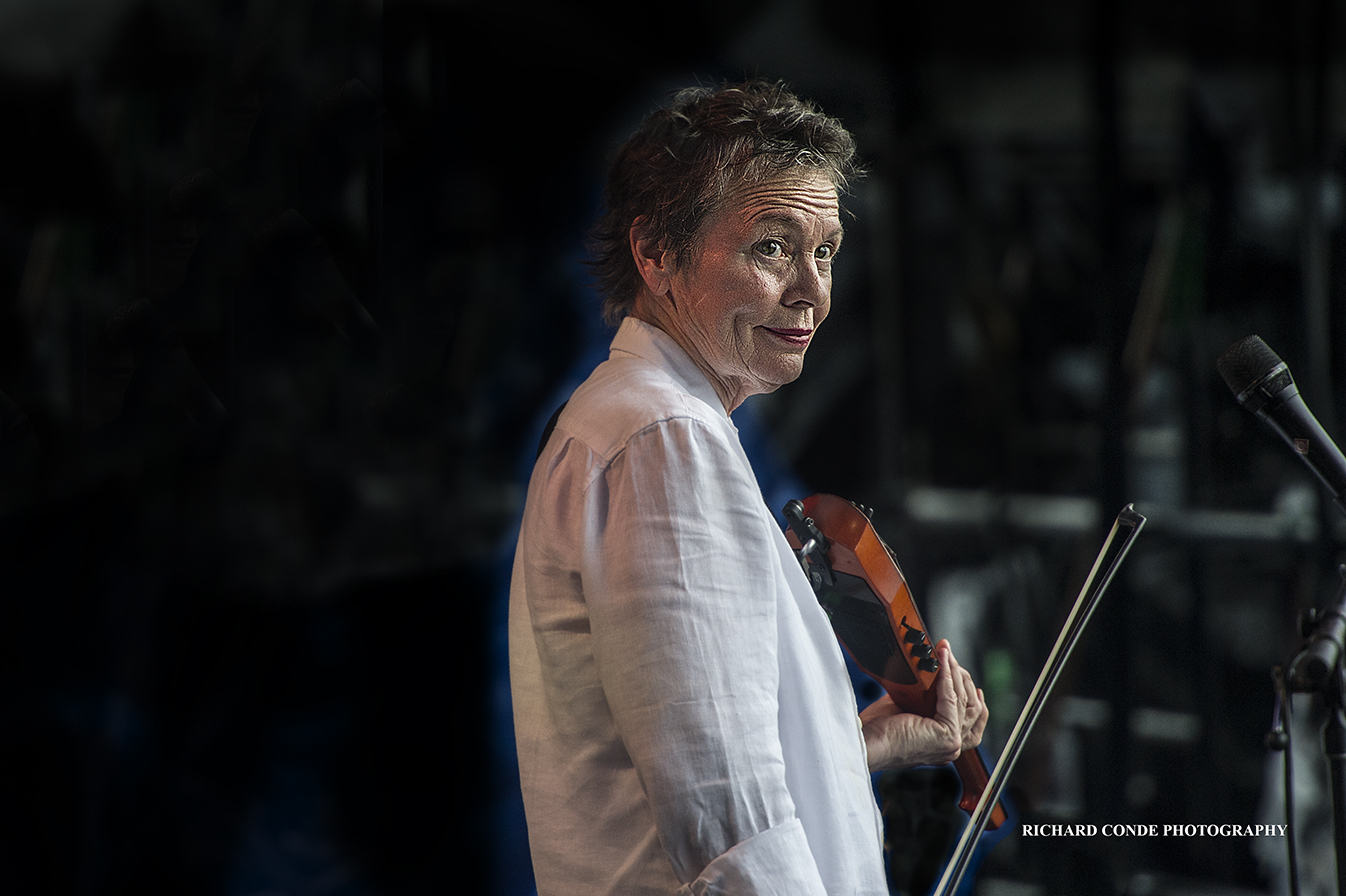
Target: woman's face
(751, 292)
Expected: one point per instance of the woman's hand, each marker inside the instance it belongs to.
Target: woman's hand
(897, 739)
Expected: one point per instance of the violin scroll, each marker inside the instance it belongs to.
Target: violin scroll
(811, 549)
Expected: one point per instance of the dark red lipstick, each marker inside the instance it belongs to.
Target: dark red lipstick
(791, 335)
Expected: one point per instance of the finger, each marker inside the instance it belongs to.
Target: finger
(972, 718)
(971, 713)
(973, 734)
(974, 701)
(962, 696)
(949, 704)
(961, 678)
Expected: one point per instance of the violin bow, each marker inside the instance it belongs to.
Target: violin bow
(1115, 547)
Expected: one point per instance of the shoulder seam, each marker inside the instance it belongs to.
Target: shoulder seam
(607, 461)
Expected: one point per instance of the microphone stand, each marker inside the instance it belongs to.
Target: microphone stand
(1317, 669)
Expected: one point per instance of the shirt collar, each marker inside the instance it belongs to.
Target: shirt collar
(644, 340)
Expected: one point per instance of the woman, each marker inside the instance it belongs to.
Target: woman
(684, 719)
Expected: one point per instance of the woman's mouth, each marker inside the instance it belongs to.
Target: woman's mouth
(791, 336)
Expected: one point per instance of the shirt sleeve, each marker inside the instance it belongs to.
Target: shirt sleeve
(681, 580)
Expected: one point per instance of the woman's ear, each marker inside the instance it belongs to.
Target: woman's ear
(652, 261)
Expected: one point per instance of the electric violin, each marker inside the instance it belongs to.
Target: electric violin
(862, 589)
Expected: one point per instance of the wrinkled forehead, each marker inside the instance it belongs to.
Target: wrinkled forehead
(805, 192)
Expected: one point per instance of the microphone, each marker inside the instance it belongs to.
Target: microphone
(1262, 383)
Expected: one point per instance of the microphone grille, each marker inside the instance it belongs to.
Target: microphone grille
(1245, 362)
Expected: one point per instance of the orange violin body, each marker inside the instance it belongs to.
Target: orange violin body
(859, 584)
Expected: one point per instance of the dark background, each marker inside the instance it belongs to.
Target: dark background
(287, 290)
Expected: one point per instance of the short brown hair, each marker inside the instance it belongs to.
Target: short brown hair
(678, 165)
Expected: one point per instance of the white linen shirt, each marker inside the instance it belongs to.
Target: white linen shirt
(684, 719)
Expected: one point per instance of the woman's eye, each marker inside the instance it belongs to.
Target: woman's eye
(824, 252)
(771, 248)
